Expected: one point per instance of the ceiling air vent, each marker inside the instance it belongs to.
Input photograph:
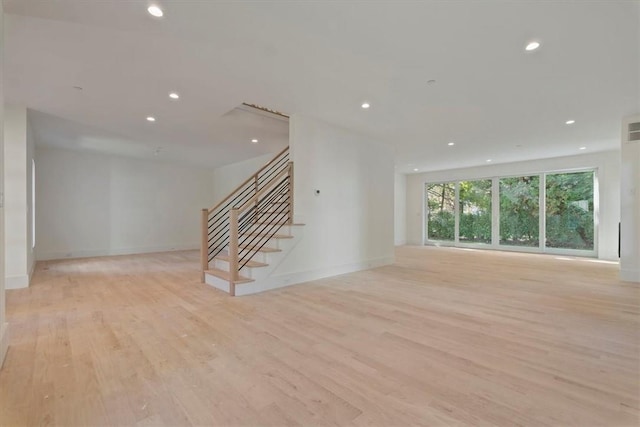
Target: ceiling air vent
(634, 132)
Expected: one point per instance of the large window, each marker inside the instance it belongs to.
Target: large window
(551, 211)
(475, 211)
(569, 210)
(520, 211)
(441, 218)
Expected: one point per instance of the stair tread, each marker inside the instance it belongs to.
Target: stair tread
(251, 263)
(262, 249)
(266, 222)
(225, 275)
(275, 236)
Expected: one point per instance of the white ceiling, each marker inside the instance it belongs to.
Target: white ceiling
(324, 58)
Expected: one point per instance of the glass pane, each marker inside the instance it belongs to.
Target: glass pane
(520, 211)
(441, 220)
(569, 210)
(475, 211)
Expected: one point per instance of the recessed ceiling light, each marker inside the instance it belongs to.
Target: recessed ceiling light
(451, 144)
(365, 105)
(151, 119)
(415, 169)
(532, 46)
(570, 122)
(431, 81)
(155, 10)
(174, 95)
(255, 141)
(489, 160)
(583, 148)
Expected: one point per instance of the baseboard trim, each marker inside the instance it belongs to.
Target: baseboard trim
(49, 256)
(629, 275)
(16, 282)
(4, 342)
(298, 278)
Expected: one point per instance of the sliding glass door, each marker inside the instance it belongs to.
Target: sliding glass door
(475, 211)
(520, 211)
(441, 217)
(569, 211)
(552, 212)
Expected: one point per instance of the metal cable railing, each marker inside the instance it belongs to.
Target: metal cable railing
(265, 198)
(270, 222)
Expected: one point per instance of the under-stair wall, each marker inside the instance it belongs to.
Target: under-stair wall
(349, 224)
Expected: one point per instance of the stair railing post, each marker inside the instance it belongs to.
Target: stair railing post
(290, 197)
(233, 250)
(204, 243)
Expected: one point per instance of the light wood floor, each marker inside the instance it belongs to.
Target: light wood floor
(444, 337)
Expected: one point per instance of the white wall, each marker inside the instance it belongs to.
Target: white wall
(400, 213)
(607, 163)
(4, 327)
(630, 207)
(18, 153)
(349, 225)
(226, 178)
(93, 204)
(31, 153)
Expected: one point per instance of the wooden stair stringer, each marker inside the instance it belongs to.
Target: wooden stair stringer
(256, 274)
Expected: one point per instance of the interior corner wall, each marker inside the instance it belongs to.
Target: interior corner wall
(349, 223)
(30, 158)
(16, 179)
(4, 326)
(630, 206)
(607, 164)
(90, 204)
(226, 178)
(400, 209)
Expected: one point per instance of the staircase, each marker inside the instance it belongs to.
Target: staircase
(246, 234)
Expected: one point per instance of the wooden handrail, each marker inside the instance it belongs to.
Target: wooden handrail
(266, 186)
(252, 177)
(272, 160)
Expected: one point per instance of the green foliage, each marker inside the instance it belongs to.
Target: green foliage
(520, 211)
(441, 218)
(442, 226)
(569, 210)
(475, 211)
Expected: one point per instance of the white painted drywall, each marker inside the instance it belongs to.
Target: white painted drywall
(400, 209)
(607, 163)
(31, 153)
(349, 225)
(630, 206)
(226, 178)
(91, 204)
(4, 326)
(16, 170)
